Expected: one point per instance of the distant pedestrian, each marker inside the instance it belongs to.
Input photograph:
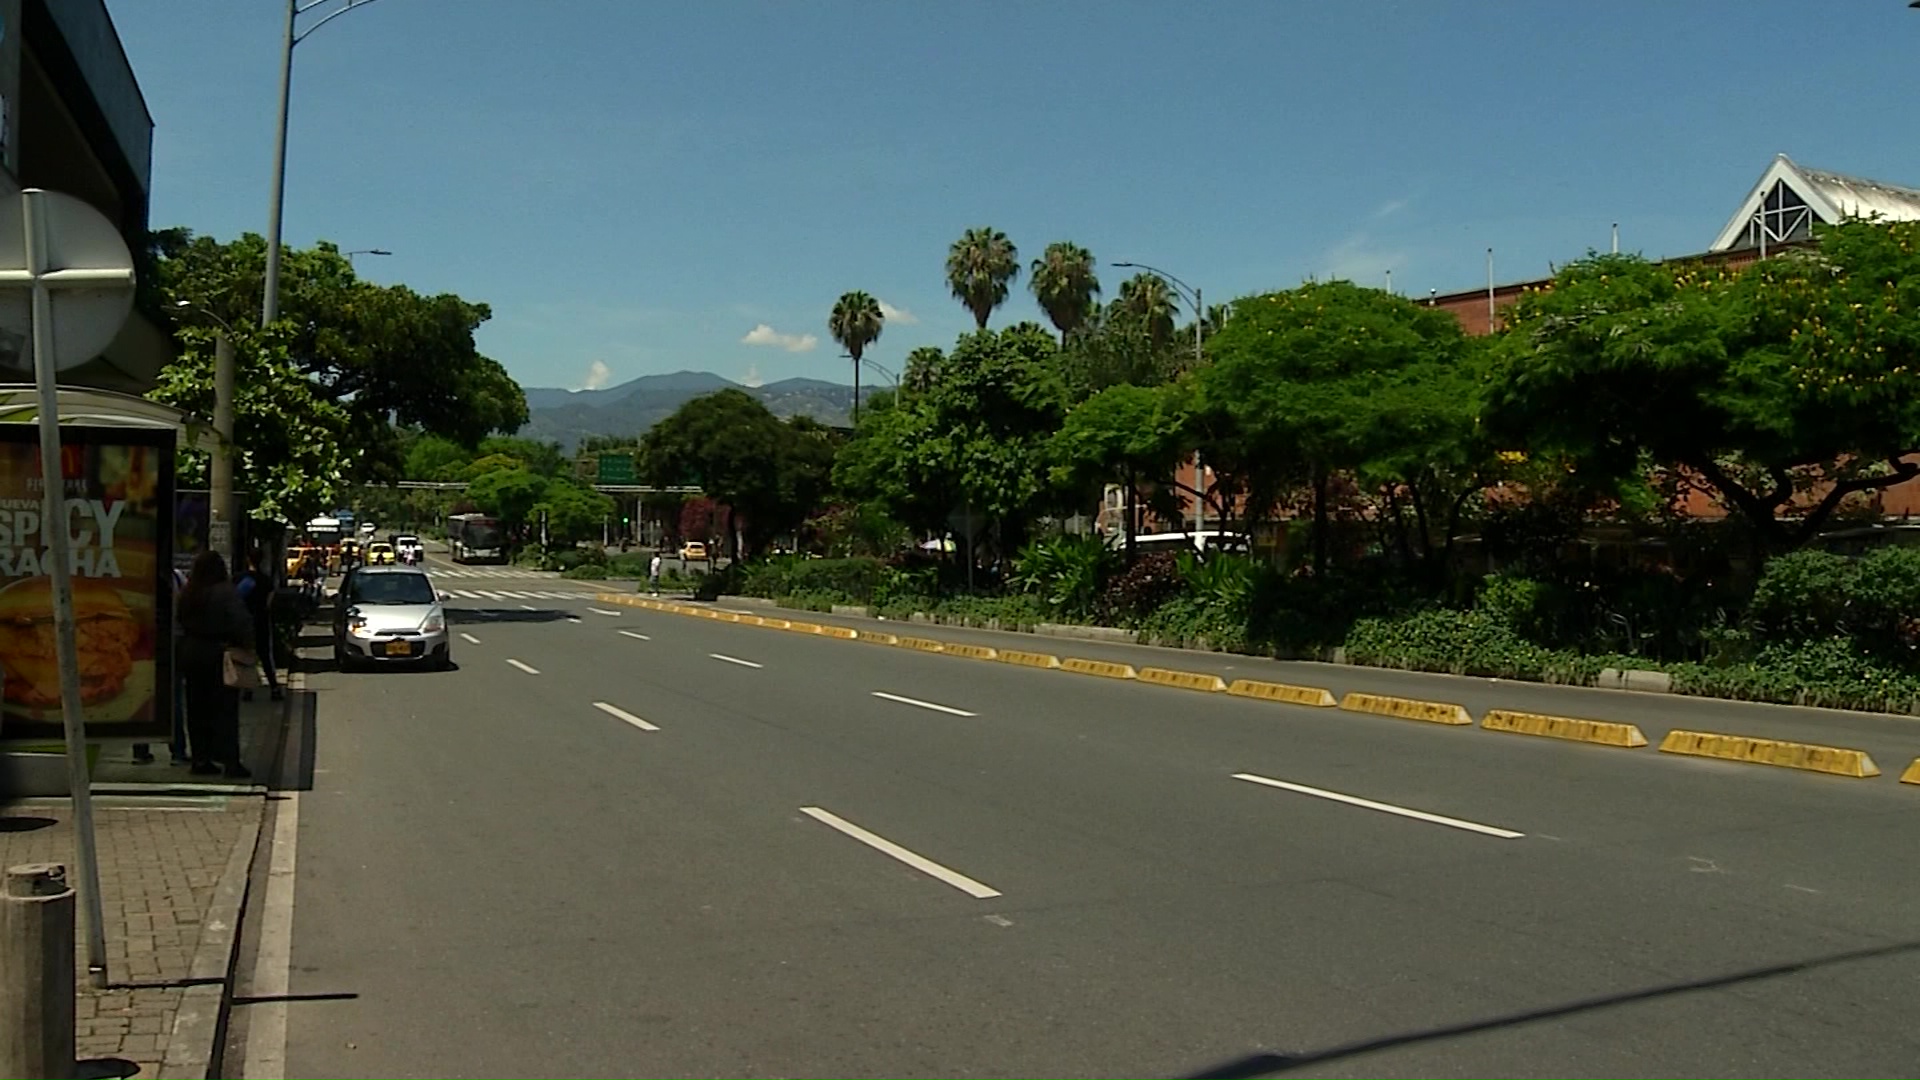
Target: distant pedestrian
(653, 574)
(256, 590)
(213, 619)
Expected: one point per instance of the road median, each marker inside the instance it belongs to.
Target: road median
(1432, 712)
(1807, 757)
(1573, 729)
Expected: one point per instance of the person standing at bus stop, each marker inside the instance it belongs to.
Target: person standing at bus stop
(256, 589)
(653, 574)
(213, 619)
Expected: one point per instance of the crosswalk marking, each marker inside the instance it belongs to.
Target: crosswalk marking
(467, 594)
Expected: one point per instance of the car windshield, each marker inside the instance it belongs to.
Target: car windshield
(392, 589)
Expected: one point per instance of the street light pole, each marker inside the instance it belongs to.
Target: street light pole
(365, 251)
(270, 299)
(220, 469)
(1199, 357)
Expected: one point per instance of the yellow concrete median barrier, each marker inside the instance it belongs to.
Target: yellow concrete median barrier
(726, 616)
(1029, 659)
(1183, 680)
(921, 644)
(844, 633)
(1315, 696)
(1104, 668)
(878, 637)
(972, 652)
(1808, 757)
(752, 620)
(777, 624)
(804, 627)
(1602, 732)
(1912, 775)
(1432, 712)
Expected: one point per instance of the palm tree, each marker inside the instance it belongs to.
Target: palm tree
(980, 266)
(923, 369)
(1217, 316)
(1065, 284)
(856, 323)
(1149, 298)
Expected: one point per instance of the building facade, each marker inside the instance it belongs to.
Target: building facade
(73, 120)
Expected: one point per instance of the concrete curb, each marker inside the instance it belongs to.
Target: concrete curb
(1183, 680)
(1601, 732)
(1433, 712)
(1808, 757)
(201, 1023)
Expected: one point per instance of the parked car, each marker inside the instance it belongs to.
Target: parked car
(390, 615)
(693, 551)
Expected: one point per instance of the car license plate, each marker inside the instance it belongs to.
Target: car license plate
(398, 648)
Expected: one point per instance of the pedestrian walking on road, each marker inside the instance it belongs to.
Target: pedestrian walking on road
(653, 574)
(213, 619)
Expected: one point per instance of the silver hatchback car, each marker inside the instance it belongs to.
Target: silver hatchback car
(389, 615)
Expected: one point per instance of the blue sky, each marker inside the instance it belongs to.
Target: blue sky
(636, 186)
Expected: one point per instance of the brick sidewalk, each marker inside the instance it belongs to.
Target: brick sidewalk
(159, 867)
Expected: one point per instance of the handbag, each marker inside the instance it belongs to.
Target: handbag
(240, 669)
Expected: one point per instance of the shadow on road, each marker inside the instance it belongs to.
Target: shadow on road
(1271, 1064)
(470, 616)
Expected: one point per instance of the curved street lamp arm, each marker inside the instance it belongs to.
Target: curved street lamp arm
(325, 19)
(1187, 292)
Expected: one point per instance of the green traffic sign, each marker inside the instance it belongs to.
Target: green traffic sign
(616, 469)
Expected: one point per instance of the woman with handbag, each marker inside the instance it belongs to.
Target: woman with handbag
(216, 660)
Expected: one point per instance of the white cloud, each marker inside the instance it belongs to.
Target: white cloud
(898, 314)
(598, 375)
(1388, 209)
(767, 335)
(1358, 260)
(752, 377)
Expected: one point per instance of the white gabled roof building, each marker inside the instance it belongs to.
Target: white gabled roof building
(1789, 199)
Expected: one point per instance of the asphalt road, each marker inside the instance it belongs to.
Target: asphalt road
(617, 842)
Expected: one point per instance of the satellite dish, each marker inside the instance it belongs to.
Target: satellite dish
(87, 315)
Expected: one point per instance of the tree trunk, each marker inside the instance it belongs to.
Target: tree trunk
(733, 536)
(1319, 520)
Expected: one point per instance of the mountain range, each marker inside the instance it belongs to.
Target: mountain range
(569, 416)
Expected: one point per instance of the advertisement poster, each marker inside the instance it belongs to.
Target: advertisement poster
(120, 509)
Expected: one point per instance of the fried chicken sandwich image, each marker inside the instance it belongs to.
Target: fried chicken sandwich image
(105, 633)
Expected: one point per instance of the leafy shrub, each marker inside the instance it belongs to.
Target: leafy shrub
(585, 572)
(1517, 603)
(1065, 572)
(1225, 582)
(1818, 596)
(1141, 589)
(1194, 622)
(1304, 615)
(1463, 643)
(855, 579)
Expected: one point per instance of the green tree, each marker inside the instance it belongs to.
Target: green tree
(976, 439)
(923, 369)
(384, 354)
(1784, 388)
(1067, 285)
(981, 266)
(1148, 298)
(1117, 347)
(1302, 383)
(542, 458)
(574, 512)
(509, 493)
(1124, 434)
(294, 448)
(856, 322)
(769, 473)
(430, 457)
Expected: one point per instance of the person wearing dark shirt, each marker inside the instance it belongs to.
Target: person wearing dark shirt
(256, 590)
(213, 619)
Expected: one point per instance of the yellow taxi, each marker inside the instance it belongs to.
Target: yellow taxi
(381, 553)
